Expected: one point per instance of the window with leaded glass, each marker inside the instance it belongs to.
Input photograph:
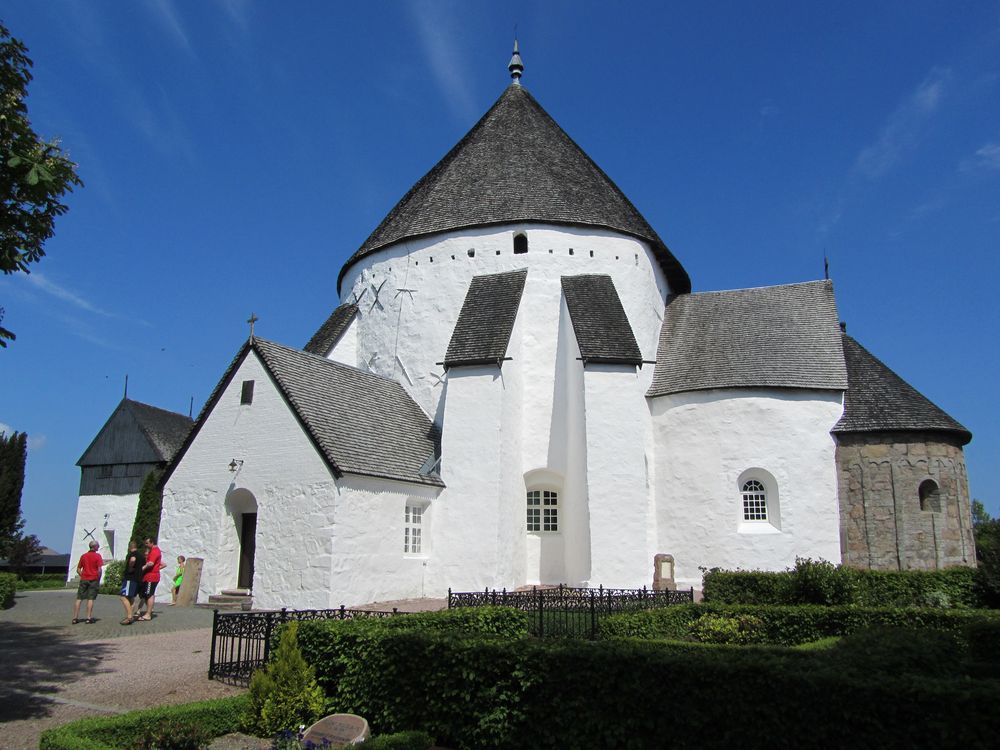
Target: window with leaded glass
(543, 510)
(413, 526)
(754, 501)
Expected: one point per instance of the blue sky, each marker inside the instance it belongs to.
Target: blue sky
(236, 153)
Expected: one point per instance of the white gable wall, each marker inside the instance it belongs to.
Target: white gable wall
(293, 488)
(102, 514)
(706, 441)
(345, 350)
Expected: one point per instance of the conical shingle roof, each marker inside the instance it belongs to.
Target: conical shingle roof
(878, 400)
(516, 165)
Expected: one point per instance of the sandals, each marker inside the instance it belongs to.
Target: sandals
(127, 621)
(90, 620)
(144, 619)
(76, 621)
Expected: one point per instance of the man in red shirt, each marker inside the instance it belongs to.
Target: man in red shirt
(89, 570)
(150, 577)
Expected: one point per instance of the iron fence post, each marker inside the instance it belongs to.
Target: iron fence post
(211, 655)
(449, 597)
(593, 617)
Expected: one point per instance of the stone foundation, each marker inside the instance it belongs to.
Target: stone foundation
(884, 522)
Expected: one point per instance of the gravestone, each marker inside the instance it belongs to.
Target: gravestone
(188, 594)
(340, 729)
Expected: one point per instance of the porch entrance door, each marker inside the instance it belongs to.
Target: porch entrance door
(248, 545)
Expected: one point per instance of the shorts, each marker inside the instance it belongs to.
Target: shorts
(129, 588)
(88, 589)
(147, 589)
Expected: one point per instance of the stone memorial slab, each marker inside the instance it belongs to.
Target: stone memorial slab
(340, 729)
(188, 595)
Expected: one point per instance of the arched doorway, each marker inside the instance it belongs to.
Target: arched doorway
(242, 506)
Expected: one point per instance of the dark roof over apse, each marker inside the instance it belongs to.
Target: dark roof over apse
(323, 341)
(360, 423)
(137, 433)
(602, 329)
(516, 165)
(485, 323)
(878, 400)
(770, 337)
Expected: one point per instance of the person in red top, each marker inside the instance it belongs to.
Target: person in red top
(150, 577)
(89, 570)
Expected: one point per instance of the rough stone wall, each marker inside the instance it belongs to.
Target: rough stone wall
(882, 525)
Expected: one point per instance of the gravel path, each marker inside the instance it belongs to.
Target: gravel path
(55, 672)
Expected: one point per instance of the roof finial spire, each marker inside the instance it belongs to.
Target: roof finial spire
(515, 66)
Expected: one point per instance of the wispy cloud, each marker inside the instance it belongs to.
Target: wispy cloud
(904, 128)
(43, 284)
(986, 157)
(437, 32)
(165, 13)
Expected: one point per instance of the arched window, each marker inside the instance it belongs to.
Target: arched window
(543, 510)
(520, 243)
(754, 501)
(760, 509)
(930, 496)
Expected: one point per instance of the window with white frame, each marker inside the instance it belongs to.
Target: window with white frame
(543, 510)
(413, 530)
(754, 501)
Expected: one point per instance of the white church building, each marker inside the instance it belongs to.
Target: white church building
(519, 387)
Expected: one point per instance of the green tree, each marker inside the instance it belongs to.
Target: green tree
(35, 174)
(13, 454)
(147, 512)
(24, 552)
(979, 514)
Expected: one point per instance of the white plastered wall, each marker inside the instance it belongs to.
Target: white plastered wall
(405, 336)
(320, 542)
(535, 405)
(706, 440)
(345, 350)
(102, 514)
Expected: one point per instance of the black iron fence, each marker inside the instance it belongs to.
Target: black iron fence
(567, 611)
(241, 641)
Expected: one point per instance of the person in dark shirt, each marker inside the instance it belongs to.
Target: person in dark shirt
(131, 578)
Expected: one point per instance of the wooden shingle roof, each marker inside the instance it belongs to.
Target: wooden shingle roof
(359, 422)
(516, 165)
(484, 325)
(602, 329)
(878, 400)
(322, 342)
(771, 337)
(137, 433)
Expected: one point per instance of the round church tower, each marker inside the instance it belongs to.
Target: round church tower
(516, 293)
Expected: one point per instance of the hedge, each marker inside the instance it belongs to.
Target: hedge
(472, 691)
(338, 643)
(42, 581)
(218, 717)
(8, 587)
(792, 625)
(823, 583)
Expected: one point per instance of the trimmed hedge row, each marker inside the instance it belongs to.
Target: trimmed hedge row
(821, 582)
(792, 625)
(217, 717)
(8, 587)
(473, 691)
(42, 581)
(340, 644)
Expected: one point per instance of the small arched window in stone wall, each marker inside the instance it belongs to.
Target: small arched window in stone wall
(930, 496)
(520, 243)
(754, 501)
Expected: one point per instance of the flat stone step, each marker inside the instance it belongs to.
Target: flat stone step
(235, 592)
